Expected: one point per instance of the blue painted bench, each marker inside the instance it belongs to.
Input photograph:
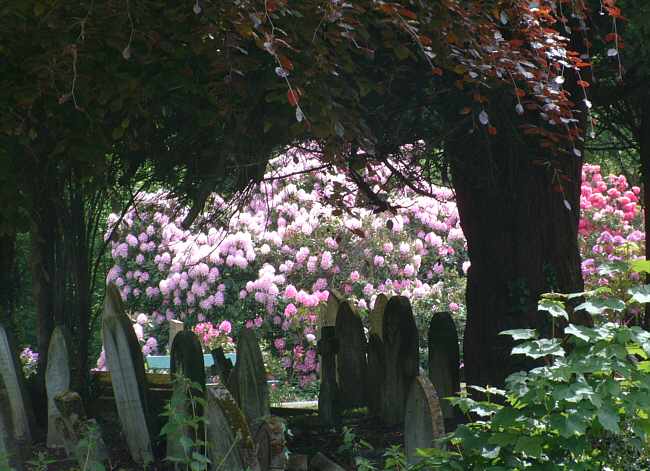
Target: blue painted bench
(162, 362)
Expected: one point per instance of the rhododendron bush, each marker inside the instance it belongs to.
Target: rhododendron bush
(273, 267)
(611, 223)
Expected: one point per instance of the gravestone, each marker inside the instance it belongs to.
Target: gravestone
(444, 359)
(351, 364)
(376, 360)
(126, 365)
(230, 444)
(330, 310)
(270, 442)
(248, 378)
(10, 456)
(376, 317)
(175, 327)
(57, 380)
(188, 372)
(401, 355)
(22, 419)
(423, 421)
(82, 437)
(222, 366)
(320, 462)
(328, 407)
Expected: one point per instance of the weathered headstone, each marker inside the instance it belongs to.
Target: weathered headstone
(320, 462)
(376, 316)
(222, 366)
(188, 373)
(444, 359)
(248, 378)
(10, 456)
(270, 442)
(57, 380)
(401, 350)
(126, 365)
(298, 462)
(230, 445)
(14, 383)
(175, 327)
(376, 360)
(351, 363)
(329, 311)
(423, 422)
(328, 408)
(82, 437)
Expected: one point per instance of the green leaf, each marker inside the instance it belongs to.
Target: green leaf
(553, 307)
(600, 305)
(608, 418)
(540, 348)
(640, 294)
(520, 334)
(640, 266)
(531, 446)
(583, 333)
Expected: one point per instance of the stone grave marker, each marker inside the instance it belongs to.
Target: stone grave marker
(423, 421)
(330, 310)
(270, 441)
(11, 372)
(401, 355)
(230, 444)
(328, 408)
(351, 364)
(10, 456)
(186, 365)
(248, 378)
(57, 380)
(126, 365)
(222, 366)
(376, 316)
(82, 437)
(444, 359)
(175, 326)
(376, 360)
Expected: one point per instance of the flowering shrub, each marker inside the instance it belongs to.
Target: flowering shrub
(212, 337)
(29, 362)
(275, 263)
(611, 223)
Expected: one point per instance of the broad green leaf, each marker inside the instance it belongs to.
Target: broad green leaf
(583, 333)
(540, 348)
(640, 294)
(553, 307)
(520, 334)
(608, 418)
(600, 305)
(640, 266)
(531, 446)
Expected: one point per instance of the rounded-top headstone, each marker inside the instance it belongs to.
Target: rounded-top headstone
(11, 373)
(57, 380)
(331, 309)
(230, 444)
(351, 364)
(186, 358)
(248, 379)
(423, 422)
(444, 360)
(401, 356)
(126, 365)
(10, 456)
(377, 316)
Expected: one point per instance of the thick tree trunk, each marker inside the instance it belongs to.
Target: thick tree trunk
(643, 137)
(7, 280)
(522, 242)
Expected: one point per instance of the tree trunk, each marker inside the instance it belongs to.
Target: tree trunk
(7, 280)
(643, 137)
(521, 238)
